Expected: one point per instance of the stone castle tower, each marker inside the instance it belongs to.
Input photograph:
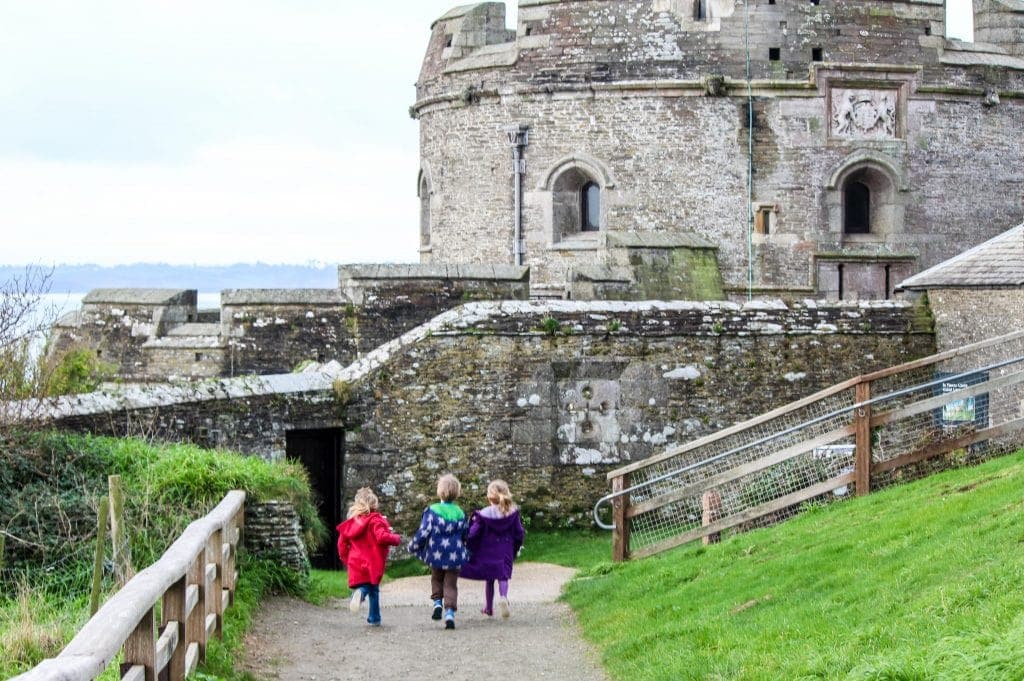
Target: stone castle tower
(820, 148)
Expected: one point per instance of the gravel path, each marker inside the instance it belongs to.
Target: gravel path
(294, 641)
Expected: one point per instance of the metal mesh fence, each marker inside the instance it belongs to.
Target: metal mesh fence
(950, 409)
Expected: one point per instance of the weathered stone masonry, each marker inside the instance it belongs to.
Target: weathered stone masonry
(651, 104)
(548, 396)
(159, 334)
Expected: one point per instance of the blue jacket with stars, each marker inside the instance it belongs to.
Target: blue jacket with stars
(440, 541)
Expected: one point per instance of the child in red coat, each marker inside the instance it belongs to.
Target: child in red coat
(364, 541)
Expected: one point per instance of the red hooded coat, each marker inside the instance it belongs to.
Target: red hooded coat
(363, 545)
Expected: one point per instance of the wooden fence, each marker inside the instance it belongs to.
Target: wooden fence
(967, 402)
(194, 583)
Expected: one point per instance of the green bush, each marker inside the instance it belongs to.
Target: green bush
(52, 484)
(78, 371)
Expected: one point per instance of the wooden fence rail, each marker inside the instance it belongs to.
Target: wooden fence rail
(194, 581)
(886, 420)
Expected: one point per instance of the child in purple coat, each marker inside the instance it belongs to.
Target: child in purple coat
(494, 538)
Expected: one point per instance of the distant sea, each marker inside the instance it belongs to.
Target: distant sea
(205, 278)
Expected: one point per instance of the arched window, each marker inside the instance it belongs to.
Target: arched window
(590, 207)
(856, 208)
(576, 205)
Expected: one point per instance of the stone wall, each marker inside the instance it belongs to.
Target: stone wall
(158, 335)
(391, 299)
(653, 107)
(969, 315)
(272, 530)
(271, 331)
(117, 323)
(546, 395)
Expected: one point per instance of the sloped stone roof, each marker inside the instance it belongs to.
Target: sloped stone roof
(999, 262)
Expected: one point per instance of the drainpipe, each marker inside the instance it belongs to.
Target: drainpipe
(518, 138)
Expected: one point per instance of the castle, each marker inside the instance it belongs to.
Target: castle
(652, 150)
(818, 148)
(648, 161)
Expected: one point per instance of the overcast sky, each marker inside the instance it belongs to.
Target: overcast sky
(210, 131)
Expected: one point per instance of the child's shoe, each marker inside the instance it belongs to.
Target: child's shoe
(485, 611)
(355, 601)
(449, 619)
(503, 607)
(437, 610)
(373, 624)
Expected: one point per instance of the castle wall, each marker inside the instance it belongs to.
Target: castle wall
(117, 323)
(392, 299)
(969, 315)
(270, 331)
(549, 396)
(153, 336)
(653, 107)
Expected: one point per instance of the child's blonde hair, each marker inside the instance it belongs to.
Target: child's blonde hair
(499, 494)
(364, 502)
(448, 488)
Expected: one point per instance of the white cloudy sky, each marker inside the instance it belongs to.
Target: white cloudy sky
(210, 131)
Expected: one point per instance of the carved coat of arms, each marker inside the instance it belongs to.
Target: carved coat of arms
(863, 114)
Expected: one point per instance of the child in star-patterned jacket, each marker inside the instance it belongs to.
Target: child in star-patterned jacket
(440, 543)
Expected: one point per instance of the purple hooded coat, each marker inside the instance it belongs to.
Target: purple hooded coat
(493, 544)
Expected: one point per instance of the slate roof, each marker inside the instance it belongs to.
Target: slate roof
(999, 262)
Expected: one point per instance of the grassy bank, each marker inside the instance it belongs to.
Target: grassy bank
(921, 581)
(52, 484)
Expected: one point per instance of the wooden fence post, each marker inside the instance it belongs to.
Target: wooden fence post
(97, 564)
(620, 505)
(2, 542)
(173, 613)
(122, 554)
(711, 510)
(195, 623)
(216, 589)
(862, 429)
(140, 648)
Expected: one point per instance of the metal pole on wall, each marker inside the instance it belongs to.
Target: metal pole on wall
(518, 137)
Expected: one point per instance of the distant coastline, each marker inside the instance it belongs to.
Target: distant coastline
(77, 279)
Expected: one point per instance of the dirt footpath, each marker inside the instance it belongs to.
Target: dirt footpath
(294, 641)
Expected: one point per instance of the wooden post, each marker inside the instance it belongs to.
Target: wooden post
(215, 590)
(862, 429)
(97, 563)
(173, 613)
(2, 542)
(620, 535)
(195, 623)
(140, 648)
(711, 510)
(122, 554)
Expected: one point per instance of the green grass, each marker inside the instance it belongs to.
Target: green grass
(571, 548)
(51, 484)
(921, 581)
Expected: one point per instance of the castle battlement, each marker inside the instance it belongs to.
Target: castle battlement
(824, 149)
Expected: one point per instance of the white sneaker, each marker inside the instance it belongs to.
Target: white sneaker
(503, 607)
(355, 601)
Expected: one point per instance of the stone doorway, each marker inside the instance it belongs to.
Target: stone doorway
(321, 452)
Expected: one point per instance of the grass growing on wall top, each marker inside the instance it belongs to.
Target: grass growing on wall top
(921, 581)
